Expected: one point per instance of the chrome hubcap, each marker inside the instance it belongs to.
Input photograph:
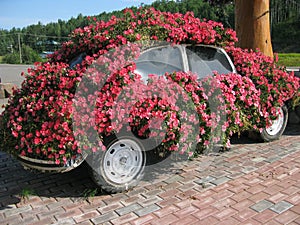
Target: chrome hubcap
(123, 161)
(276, 124)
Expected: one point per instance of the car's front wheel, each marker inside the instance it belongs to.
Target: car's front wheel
(277, 127)
(121, 166)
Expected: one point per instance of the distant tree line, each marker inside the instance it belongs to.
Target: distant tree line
(39, 38)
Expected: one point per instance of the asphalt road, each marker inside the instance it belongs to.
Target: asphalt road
(12, 73)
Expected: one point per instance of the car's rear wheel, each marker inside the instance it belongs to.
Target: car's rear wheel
(121, 166)
(278, 126)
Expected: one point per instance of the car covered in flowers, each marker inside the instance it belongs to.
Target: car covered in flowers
(147, 83)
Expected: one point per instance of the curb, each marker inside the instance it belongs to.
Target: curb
(296, 70)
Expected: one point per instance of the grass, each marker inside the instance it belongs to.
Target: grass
(90, 193)
(26, 193)
(1, 57)
(289, 59)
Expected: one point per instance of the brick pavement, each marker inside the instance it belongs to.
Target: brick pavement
(254, 183)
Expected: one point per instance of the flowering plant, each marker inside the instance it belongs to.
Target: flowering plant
(61, 111)
(276, 85)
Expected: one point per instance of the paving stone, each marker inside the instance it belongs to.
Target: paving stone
(234, 175)
(245, 214)
(166, 210)
(87, 216)
(65, 221)
(147, 209)
(168, 219)
(220, 180)
(262, 205)
(169, 201)
(44, 221)
(67, 214)
(104, 218)
(208, 220)
(225, 213)
(228, 221)
(174, 179)
(256, 189)
(128, 209)
(205, 180)
(150, 201)
(286, 217)
(272, 159)
(258, 159)
(265, 216)
(208, 211)
(248, 169)
(193, 193)
(124, 219)
(281, 207)
(277, 197)
(187, 220)
(244, 204)
(16, 211)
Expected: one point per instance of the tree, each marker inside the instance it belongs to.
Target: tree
(29, 56)
(252, 24)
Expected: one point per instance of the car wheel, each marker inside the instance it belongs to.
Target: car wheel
(121, 166)
(278, 126)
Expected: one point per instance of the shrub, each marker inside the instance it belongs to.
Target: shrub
(29, 56)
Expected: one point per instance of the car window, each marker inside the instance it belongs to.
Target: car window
(203, 60)
(159, 61)
(77, 60)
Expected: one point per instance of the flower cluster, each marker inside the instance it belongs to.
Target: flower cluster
(239, 101)
(275, 83)
(61, 111)
(39, 115)
(144, 25)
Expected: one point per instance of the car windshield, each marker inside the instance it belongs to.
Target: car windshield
(159, 61)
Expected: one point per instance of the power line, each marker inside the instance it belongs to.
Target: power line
(35, 35)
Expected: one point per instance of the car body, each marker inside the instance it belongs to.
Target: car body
(121, 166)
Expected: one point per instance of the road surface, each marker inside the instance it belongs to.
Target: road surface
(12, 73)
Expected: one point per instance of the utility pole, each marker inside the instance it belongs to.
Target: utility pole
(20, 49)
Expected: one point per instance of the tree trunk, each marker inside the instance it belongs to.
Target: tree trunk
(252, 24)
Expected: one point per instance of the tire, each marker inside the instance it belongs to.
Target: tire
(275, 131)
(121, 166)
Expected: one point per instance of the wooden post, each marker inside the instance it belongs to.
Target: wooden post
(252, 24)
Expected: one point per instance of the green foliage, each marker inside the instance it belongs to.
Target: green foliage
(29, 56)
(90, 193)
(12, 58)
(289, 59)
(285, 25)
(201, 9)
(26, 193)
(285, 36)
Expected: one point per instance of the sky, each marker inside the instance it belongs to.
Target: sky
(22, 13)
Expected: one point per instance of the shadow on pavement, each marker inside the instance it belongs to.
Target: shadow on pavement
(14, 179)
